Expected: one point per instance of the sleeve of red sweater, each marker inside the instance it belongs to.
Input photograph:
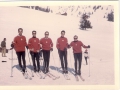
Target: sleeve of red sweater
(83, 45)
(67, 43)
(25, 41)
(51, 43)
(39, 45)
(57, 44)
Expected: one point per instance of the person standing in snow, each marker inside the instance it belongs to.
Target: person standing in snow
(62, 45)
(47, 46)
(19, 44)
(3, 45)
(34, 47)
(86, 56)
(77, 52)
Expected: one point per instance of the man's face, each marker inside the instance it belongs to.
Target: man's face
(34, 34)
(62, 34)
(75, 38)
(20, 32)
(46, 34)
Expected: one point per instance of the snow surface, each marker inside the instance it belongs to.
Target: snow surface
(100, 38)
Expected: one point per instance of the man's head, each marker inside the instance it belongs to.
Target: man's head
(20, 31)
(46, 34)
(34, 33)
(75, 38)
(62, 33)
(4, 39)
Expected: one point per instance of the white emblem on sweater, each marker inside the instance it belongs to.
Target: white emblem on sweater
(21, 39)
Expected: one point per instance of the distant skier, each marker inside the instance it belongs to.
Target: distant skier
(62, 45)
(34, 47)
(77, 50)
(3, 45)
(86, 56)
(47, 46)
(19, 43)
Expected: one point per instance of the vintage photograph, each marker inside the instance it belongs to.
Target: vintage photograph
(69, 44)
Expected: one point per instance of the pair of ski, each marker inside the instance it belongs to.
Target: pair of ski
(51, 76)
(79, 76)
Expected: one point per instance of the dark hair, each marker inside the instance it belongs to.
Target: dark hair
(20, 29)
(4, 39)
(62, 31)
(33, 31)
(75, 36)
(46, 32)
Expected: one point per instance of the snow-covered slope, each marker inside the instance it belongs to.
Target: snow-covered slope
(100, 38)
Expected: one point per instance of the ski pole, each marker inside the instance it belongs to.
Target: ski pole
(30, 63)
(70, 59)
(12, 63)
(89, 62)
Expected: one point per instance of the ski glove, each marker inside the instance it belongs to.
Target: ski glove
(88, 46)
(12, 45)
(51, 49)
(65, 49)
(68, 46)
(26, 47)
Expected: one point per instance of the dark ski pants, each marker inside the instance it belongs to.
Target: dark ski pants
(19, 55)
(78, 57)
(86, 60)
(46, 56)
(35, 58)
(63, 58)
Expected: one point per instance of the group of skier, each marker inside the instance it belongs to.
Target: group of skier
(45, 45)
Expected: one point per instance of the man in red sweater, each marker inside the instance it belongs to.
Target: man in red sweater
(62, 44)
(77, 50)
(19, 46)
(34, 47)
(47, 46)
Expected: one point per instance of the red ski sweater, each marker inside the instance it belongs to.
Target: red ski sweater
(62, 43)
(34, 44)
(46, 43)
(77, 46)
(19, 43)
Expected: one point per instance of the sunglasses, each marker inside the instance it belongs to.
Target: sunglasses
(34, 33)
(46, 34)
(75, 38)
